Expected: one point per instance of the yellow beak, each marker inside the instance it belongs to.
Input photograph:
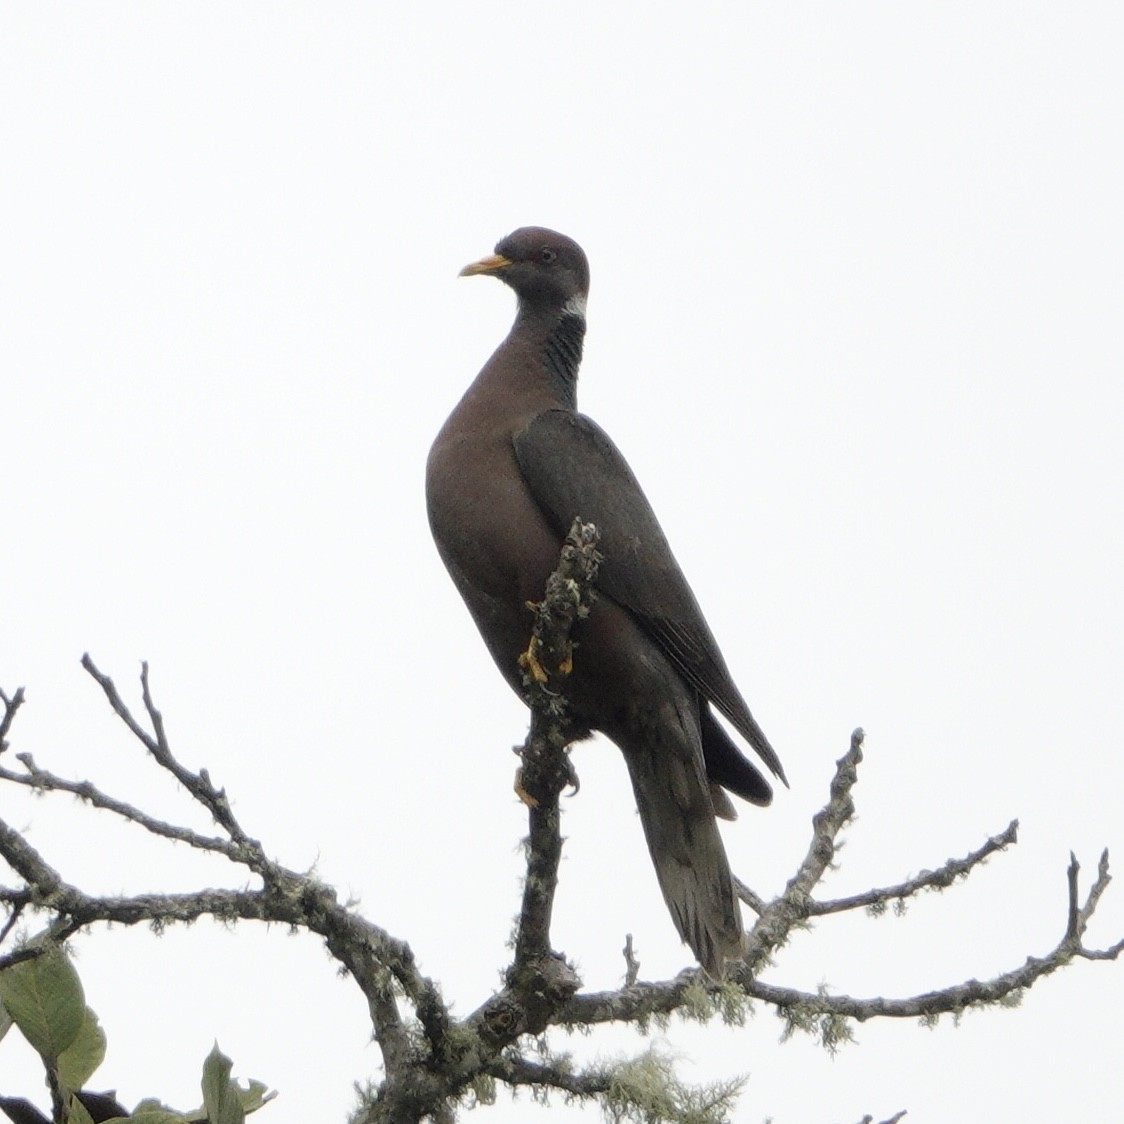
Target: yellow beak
(488, 266)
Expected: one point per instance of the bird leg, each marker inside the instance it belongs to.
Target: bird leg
(568, 596)
(529, 660)
(536, 759)
(524, 796)
(549, 657)
(551, 646)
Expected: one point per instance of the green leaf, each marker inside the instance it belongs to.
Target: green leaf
(44, 997)
(78, 1061)
(220, 1095)
(151, 1111)
(155, 1114)
(76, 1112)
(255, 1096)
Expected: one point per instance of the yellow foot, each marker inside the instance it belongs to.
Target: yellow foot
(529, 659)
(521, 792)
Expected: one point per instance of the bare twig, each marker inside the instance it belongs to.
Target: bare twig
(17, 901)
(631, 964)
(44, 781)
(370, 954)
(775, 922)
(643, 1000)
(1073, 914)
(516, 1070)
(750, 897)
(938, 879)
(198, 784)
(1085, 913)
(11, 705)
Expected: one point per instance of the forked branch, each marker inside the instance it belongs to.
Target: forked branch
(433, 1060)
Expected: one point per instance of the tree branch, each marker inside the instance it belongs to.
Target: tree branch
(198, 784)
(515, 1070)
(546, 769)
(938, 879)
(776, 920)
(374, 958)
(11, 705)
(44, 781)
(434, 1062)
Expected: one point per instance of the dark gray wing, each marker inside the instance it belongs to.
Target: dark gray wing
(573, 469)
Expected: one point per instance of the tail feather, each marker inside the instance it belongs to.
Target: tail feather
(727, 766)
(673, 797)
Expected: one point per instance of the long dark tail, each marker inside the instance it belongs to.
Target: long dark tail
(727, 766)
(673, 797)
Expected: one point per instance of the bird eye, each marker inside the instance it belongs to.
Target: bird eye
(546, 254)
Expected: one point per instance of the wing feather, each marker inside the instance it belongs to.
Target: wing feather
(572, 468)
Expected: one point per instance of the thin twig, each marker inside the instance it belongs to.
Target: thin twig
(643, 1000)
(198, 784)
(940, 878)
(516, 1070)
(11, 705)
(750, 897)
(1073, 914)
(772, 927)
(44, 781)
(631, 964)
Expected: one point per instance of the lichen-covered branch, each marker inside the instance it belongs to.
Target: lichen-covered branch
(819, 1012)
(42, 780)
(434, 1061)
(776, 920)
(939, 879)
(545, 768)
(198, 784)
(375, 959)
(515, 1070)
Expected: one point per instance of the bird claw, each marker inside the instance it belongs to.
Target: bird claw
(570, 779)
(573, 782)
(521, 792)
(530, 660)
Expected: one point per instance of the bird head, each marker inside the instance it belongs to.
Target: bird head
(546, 269)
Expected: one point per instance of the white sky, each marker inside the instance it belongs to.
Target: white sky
(855, 320)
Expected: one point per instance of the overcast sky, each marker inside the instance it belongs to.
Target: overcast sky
(856, 322)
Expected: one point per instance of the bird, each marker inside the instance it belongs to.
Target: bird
(510, 469)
